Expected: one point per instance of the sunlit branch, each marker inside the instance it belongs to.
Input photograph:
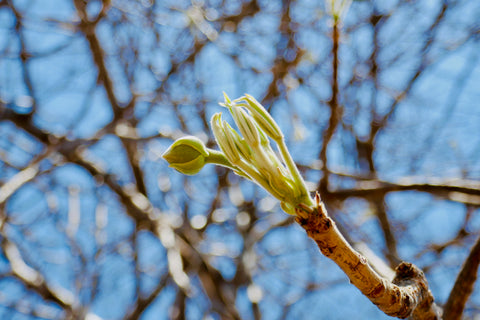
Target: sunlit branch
(407, 295)
(24, 176)
(34, 280)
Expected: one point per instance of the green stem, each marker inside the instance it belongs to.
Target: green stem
(297, 177)
(244, 169)
(218, 158)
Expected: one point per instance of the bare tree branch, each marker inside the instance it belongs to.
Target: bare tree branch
(463, 287)
(407, 295)
(34, 280)
(335, 109)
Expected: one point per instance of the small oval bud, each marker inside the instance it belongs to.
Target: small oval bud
(187, 155)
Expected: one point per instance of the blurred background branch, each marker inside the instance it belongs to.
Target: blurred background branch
(379, 106)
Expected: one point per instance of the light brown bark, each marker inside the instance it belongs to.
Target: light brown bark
(406, 296)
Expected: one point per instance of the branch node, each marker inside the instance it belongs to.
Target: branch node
(407, 274)
(317, 222)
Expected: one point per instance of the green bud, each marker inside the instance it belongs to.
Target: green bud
(224, 140)
(261, 116)
(187, 155)
(243, 148)
(246, 125)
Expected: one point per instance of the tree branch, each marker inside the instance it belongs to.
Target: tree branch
(390, 240)
(406, 296)
(380, 122)
(34, 280)
(463, 286)
(460, 190)
(335, 110)
(139, 208)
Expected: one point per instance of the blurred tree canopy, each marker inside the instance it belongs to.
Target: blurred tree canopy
(380, 109)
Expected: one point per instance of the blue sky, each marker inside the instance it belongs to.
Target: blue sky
(432, 134)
